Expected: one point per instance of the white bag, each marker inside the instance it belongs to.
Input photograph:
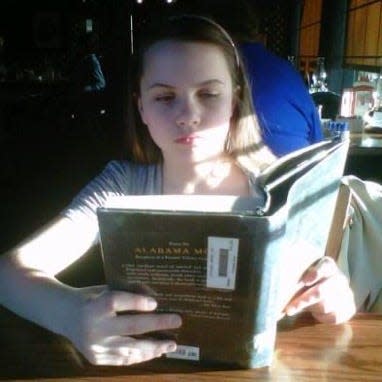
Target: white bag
(360, 255)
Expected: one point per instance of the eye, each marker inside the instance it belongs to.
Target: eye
(208, 94)
(165, 98)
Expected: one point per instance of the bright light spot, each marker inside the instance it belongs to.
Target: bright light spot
(58, 246)
(89, 25)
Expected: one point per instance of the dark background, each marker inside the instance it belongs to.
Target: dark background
(46, 155)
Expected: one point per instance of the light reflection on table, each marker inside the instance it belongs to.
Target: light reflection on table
(305, 351)
(365, 143)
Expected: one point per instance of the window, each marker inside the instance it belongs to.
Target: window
(364, 34)
(310, 29)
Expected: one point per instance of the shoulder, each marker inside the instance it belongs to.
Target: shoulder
(121, 177)
(118, 178)
(128, 168)
(127, 177)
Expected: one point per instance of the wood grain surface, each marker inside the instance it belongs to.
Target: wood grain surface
(305, 351)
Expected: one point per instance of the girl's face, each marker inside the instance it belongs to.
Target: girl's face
(186, 99)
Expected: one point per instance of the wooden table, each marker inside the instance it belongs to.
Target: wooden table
(305, 351)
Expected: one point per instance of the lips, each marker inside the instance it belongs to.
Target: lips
(187, 139)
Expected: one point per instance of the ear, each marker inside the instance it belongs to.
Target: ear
(140, 109)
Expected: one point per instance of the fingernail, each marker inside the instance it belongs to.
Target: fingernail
(176, 321)
(151, 303)
(171, 347)
(291, 311)
(310, 277)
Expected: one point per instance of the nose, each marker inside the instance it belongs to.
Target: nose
(188, 114)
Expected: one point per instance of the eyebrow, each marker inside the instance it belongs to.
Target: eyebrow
(203, 83)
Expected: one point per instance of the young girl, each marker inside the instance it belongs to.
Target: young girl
(192, 131)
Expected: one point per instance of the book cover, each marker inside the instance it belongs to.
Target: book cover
(225, 264)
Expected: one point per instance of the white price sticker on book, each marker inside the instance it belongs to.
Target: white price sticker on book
(222, 255)
(190, 353)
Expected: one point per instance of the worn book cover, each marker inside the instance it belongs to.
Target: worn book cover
(227, 265)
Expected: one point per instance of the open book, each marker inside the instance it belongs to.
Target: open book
(226, 264)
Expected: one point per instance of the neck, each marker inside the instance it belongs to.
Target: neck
(220, 177)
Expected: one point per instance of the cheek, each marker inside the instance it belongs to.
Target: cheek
(158, 120)
(220, 114)
(151, 114)
(158, 125)
(157, 129)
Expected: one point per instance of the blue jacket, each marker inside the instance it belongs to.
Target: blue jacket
(287, 114)
(88, 76)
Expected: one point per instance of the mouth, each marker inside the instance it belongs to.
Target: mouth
(187, 139)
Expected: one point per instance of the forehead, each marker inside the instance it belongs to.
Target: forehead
(173, 60)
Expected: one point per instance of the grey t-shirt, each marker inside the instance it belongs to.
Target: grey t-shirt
(117, 179)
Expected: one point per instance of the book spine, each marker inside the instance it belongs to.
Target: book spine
(265, 282)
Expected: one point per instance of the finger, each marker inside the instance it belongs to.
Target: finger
(327, 296)
(144, 348)
(334, 294)
(320, 291)
(119, 301)
(95, 290)
(337, 316)
(321, 270)
(335, 310)
(324, 268)
(126, 351)
(133, 324)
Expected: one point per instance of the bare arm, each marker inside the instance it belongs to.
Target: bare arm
(86, 316)
(27, 272)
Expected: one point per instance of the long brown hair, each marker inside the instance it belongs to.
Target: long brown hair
(244, 142)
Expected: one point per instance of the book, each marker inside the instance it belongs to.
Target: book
(227, 264)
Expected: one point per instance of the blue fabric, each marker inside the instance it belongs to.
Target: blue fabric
(287, 114)
(88, 76)
(96, 78)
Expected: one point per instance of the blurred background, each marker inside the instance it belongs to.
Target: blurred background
(57, 130)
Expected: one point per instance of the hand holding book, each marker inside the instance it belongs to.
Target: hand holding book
(325, 292)
(107, 337)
